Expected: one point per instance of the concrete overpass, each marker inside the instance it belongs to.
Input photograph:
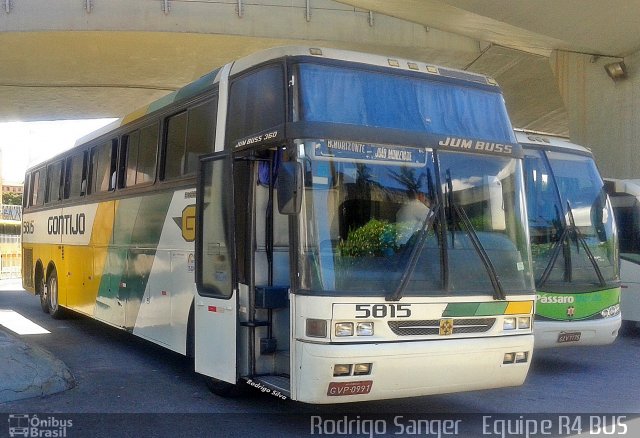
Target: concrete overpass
(102, 58)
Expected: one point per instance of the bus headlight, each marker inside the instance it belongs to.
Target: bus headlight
(341, 369)
(364, 329)
(509, 323)
(316, 328)
(611, 311)
(524, 322)
(361, 369)
(344, 329)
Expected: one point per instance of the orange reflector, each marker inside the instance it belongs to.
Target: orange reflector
(516, 307)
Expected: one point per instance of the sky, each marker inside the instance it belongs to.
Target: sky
(24, 144)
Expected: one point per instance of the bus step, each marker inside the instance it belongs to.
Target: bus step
(278, 383)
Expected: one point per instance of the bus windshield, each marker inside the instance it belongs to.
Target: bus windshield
(407, 221)
(383, 100)
(571, 223)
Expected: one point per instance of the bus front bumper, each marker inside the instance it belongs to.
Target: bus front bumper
(550, 334)
(408, 369)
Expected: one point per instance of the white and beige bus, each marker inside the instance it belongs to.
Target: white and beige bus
(625, 199)
(330, 225)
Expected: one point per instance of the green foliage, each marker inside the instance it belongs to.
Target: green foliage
(12, 198)
(375, 238)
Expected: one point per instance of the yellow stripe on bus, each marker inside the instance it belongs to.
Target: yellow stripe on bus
(89, 262)
(517, 307)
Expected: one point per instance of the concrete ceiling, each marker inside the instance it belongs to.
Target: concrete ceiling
(100, 70)
(608, 28)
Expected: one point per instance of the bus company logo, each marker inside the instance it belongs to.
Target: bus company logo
(188, 223)
(67, 224)
(25, 425)
(477, 145)
(555, 299)
(446, 327)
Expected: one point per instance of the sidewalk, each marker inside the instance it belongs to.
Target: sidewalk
(28, 370)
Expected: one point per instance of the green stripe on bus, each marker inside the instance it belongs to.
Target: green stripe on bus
(497, 308)
(137, 229)
(576, 306)
(460, 309)
(475, 309)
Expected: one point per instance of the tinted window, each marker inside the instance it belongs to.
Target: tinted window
(200, 134)
(37, 188)
(102, 177)
(75, 180)
(189, 135)
(176, 138)
(146, 169)
(26, 194)
(129, 155)
(257, 102)
(54, 173)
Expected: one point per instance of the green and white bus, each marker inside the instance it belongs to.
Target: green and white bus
(573, 244)
(253, 220)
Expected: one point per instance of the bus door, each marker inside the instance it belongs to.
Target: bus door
(215, 306)
(262, 238)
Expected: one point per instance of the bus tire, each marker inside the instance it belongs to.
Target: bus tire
(56, 311)
(224, 389)
(41, 290)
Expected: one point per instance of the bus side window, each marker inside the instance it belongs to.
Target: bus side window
(54, 182)
(256, 102)
(189, 134)
(147, 154)
(102, 167)
(26, 194)
(176, 128)
(138, 151)
(37, 188)
(128, 159)
(75, 176)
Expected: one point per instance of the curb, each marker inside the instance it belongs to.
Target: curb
(29, 371)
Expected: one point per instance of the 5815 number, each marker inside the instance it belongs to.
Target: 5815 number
(383, 310)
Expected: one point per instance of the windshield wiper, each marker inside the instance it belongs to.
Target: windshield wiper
(427, 223)
(498, 291)
(580, 238)
(555, 252)
(558, 244)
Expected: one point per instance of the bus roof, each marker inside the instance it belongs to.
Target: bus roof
(543, 140)
(260, 57)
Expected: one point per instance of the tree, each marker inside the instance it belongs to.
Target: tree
(12, 198)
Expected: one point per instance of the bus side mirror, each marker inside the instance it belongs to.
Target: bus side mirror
(289, 187)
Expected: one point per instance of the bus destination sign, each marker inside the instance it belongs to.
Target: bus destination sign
(356, 151)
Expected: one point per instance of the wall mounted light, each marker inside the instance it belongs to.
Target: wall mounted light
(616, 70)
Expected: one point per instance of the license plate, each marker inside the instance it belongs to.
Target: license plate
(569, 337)
(349, 388)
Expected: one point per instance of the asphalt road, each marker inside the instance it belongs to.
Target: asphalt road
(120, 377)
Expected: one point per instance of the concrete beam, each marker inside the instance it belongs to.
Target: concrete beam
(72, 60)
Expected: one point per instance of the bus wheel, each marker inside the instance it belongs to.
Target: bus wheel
(42, 291)
(224, 389)
(55, 310)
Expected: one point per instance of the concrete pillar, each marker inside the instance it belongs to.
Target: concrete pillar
(603, 114)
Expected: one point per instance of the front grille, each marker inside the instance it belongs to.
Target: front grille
(432, 326)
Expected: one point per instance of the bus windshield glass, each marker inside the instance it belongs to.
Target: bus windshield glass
(383, 100)
(406, 221)
(570, 221)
